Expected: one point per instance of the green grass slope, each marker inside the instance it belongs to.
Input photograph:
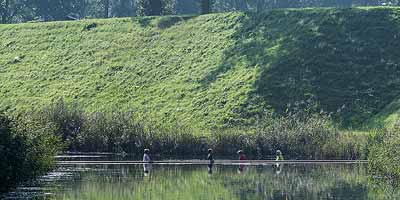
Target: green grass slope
(210, 70)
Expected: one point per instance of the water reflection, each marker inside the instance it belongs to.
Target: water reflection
(175, 182)
(210, 168)
(241, 168)
(278, 167)
(147, 168)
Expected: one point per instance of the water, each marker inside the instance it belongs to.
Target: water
(175, 182)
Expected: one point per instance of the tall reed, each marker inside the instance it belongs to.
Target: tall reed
(299, 136)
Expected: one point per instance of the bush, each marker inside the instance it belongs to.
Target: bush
(27, 149)
(67, 121)
(384, 154)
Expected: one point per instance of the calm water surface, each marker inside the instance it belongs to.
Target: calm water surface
(175, 182)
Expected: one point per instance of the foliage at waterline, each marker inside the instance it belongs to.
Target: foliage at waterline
(27, 148)
(384, 154)
(298, 135)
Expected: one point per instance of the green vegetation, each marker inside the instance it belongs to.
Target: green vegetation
(384, 154)
(299, 135)
(229, 81)
(209, 71)
(27, 149)
(17, 11)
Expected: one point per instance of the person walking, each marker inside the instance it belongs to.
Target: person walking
(279, 155)
(210, 161)
(242, 156)
(146, 162)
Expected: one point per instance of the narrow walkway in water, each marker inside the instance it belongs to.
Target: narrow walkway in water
(217, 162)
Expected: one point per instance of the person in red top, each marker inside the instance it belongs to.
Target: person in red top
(242, 156)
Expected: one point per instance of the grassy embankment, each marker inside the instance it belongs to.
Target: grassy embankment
(212, 72)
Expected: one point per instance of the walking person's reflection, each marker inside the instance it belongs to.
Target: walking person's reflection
(210, 161)
(146, 162)
(278, 168)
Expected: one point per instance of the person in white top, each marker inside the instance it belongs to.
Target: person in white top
(146, 157)
(146, 161)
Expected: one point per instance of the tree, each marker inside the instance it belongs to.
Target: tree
(49, 10)
(155, 7)
(14, 11)
(149, 7)
(122, 8)
(106, 7)
(186, 6)
(169, 7)
(4, 7)
(205, 6)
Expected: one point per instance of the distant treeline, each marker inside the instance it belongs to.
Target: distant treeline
(15, 11)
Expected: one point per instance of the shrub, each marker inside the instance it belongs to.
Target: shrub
(67, 120)
(27, 149)
(384, 154)
(298, 135)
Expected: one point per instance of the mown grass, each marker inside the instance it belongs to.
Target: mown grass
(218, 70)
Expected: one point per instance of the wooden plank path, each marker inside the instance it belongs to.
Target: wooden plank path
(217, 162)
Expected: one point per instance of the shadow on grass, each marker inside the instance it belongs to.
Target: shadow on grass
(169, 21)
(162, 22)
(143, 21)
(343, 61)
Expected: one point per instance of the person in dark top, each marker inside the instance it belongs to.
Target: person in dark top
(211, 161)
